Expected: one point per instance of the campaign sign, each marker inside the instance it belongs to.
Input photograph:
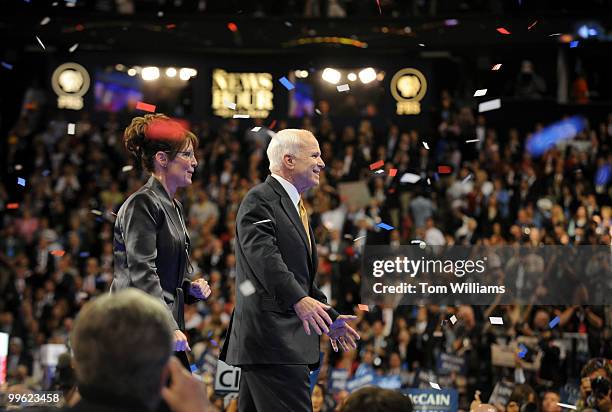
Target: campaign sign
(337, 379)
(227, 378)
(448, 363)
(363, 380)
(433, 400)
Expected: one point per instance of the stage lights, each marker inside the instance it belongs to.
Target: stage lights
(367, 75)
(149, 73)
(187, 73)
(352, 77)
(171, 72)
(331, 75)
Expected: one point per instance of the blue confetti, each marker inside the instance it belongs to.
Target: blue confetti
(7, 66)
(193, 368)
(603, 175)
(46, 172)
(21, 181)
(385, 226)
(214, 342)
(84, 254)
(288, 85)
(554, 322)
(574, 44)
(551, 135)
(210, 334)
(523, 351)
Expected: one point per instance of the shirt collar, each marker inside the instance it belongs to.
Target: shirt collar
(289, 188)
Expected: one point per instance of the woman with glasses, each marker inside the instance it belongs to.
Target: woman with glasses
(151, 242)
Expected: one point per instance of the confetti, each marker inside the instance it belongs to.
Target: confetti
(378, 4)
(231, 26)
(18, 167)
(523, 351)
(127, 168)
(453, 319)
(71, 128)
(451, 22)
(502, 30)
(170, 26)
(426, 145)
(73, 47)
(246, 288)
(496, 320)
(554, 34)
(472, 141)
(410, 178)
(359, 238)
(241, 116)
(146, 107)
(554, 322)
(84, 254)
(574, 44)
(435, 385)
(385, 226)
(532, 24)
(428, 181)
(7, 66)
(214, 343)
(256, 129)
(379, 171)
(444, 169)
(496, 67)
(229, 104)
(41, 43)
(59, 253)
(96, 212)
(262, 221)
(45, 21)
(343, 88)
(21, 181)
(272, 125)
(468, 177)
(285, 82)
(12, 205)
(489, 105)
(377, 165)
(422, 44)
(317, 111)
(565, 405)
(193, 368)
(46, 172)
(480, 92)
(288, 24)
(392, 172)
(365, 308)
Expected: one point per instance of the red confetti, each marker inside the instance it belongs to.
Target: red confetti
(170, 26)
(391, 191)
(12, 205)
(377, 165)
(146, 107)
(79, 27)
(532, 24)
(502, 30)
(379, 9)
(272, 125)
(363, 307)
(59, 253)
(165, 129)
(392, 172)
(444, 169)
(232, 27)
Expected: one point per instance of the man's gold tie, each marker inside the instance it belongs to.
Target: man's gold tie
(304, 217)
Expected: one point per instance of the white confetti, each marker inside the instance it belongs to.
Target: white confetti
(379, 171)
(422, 44)
(343, 88)
(359, 238)
(496, 320)
(246, 288)
(18, 167)
(565, 405)
(472, 141)
(453, 319)
(41, 43)
(554, 34)
(256, 129)
(241, 116)
(468, 177)
(71, 128)
(490, 105)
(44, 21)
(410, 178)
(426, 145)
(497, 67)
(317, 111)
(229, 104)
(480, 92)
(262, 221)
(429, 181)
(73, 47)
(127, 168)
(435, 385)
(96, 212)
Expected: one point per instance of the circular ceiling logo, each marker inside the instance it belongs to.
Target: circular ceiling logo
(408, 86)
(70, 81)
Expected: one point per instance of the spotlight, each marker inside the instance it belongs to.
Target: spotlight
(119, 67)
(187, 73)
(150, 73)
(331, 75)
(304, 74)
(171, 72)
(367, 75)
(131, 72)
(352, 77)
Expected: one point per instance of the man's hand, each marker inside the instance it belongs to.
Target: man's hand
(186, 393)
(180, 342)
(312, 313)
(341, 332)
(200, 289)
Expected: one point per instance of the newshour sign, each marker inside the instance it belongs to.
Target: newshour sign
(70, 81)
(242, 94)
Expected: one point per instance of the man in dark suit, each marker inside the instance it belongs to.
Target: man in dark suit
(270, 336)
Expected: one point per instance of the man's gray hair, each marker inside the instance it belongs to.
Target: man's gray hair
(121, 343)
(287, 141)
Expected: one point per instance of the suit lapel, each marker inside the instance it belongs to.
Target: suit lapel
(167, 203)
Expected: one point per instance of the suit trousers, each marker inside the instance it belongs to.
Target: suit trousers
(274, 388)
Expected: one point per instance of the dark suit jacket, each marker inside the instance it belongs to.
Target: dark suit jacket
(151, 248)
(274, 257)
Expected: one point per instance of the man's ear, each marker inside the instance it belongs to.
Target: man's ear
(289, 161)
(162, 158)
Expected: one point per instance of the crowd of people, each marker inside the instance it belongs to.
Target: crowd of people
(56, 250)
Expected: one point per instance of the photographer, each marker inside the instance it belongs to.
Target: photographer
(595, 386)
